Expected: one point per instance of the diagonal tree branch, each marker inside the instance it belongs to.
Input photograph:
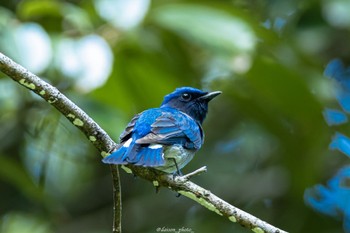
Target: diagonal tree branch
(105, 144)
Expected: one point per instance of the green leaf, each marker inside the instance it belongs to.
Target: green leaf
(34, 8)
(208, 27)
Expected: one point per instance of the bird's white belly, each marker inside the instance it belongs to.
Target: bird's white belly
(179, 154)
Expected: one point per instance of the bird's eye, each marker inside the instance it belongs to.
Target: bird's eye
(186, 96)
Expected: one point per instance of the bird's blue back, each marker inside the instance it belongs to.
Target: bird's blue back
(171, 126)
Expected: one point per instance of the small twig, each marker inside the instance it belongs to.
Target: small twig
(188, 176)
(105, 144)
(117, 200)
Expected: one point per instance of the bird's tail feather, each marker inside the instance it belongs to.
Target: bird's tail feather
(138, 155)
(124, 154)
(151, 157)
(117, 157)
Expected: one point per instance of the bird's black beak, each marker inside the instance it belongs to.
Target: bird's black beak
(210, 95)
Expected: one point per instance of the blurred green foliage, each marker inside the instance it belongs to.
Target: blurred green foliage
(266, 139)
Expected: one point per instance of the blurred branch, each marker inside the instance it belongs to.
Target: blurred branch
(105, 144)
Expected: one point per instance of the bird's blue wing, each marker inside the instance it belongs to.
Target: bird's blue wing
(174, 127)
(143, 139)
(129, 128)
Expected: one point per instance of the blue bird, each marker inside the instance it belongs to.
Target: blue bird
(165, 138)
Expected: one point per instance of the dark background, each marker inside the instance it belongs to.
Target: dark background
(266, 139)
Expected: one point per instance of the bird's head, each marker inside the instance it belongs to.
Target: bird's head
(191, 101)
